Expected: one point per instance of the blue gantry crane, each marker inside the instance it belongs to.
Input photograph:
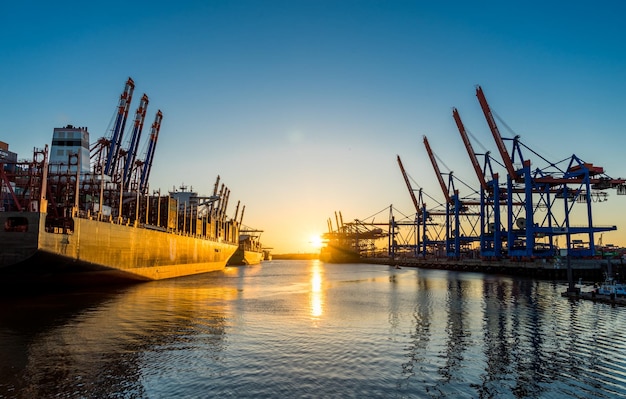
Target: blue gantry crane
(461, 218)
(522, 216)
(540, 201)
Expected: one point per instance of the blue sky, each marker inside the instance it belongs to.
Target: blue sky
(302, 106)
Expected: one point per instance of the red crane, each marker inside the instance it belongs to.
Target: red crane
(470, 150)
(408, 185)
(508, 163)
(442, 183)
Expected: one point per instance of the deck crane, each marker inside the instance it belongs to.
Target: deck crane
(225, 204)
(146, 167)
(490, 232)
(118, 129)
(243, 210)
(131, 152)
(217, 183)
(237, 210)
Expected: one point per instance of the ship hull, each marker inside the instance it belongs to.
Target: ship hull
(97, 251)
(242, 257)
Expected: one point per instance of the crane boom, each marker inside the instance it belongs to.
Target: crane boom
(154, 137)
(408, 185)
(508, 163)
(442, 183)
(120, 124)
(131, 154)
(237, 211)
(470, 150)
(243, 210)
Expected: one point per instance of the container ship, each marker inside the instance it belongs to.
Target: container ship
(80, 214)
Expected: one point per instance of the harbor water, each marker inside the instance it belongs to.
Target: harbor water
(306, 329)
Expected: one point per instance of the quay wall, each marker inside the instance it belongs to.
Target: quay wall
(587, 269)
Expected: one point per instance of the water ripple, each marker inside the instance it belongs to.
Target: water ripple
(307, 329)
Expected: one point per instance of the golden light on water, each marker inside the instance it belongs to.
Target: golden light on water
(317, 293)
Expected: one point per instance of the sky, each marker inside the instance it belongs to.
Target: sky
(301, 106)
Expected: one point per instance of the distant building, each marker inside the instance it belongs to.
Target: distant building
(7, 157)
(70, 140)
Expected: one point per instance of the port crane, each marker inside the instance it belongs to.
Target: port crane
(490, 198)
(420, 218)
(457, 210)
(530, 190)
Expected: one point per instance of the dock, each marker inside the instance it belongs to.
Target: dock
(590, 270)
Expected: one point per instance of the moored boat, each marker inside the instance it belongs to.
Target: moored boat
(611, 287)
(250, 251)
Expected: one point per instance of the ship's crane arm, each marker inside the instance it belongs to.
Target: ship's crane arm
(217, 182)
(236, 211)
(408, 185)
(154, 137)
(508, 163)
(442, 183)
(470, 151)
(131, 154)
(241, 218)
(118, 130)
(226, 203)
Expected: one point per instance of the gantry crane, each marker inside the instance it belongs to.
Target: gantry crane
(421, 217)
(490, 199)
(456, 209)
(530, 190)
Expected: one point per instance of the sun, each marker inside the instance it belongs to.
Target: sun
(316, 241)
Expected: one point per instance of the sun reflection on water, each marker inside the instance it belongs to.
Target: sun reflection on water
(317, 294)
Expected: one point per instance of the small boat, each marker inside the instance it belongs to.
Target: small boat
(250, 251)
(611, 287)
